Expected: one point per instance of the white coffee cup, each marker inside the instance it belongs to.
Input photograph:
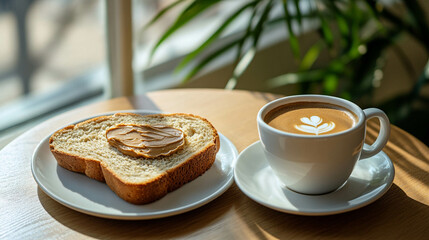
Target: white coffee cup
(320, 164)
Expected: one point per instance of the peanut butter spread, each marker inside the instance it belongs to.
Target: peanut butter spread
(148, 141)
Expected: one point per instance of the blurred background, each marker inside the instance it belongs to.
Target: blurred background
(54, 54)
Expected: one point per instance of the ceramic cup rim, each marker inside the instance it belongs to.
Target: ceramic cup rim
(311, 98)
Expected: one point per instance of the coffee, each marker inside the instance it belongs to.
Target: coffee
(311, 118)
(312, 164)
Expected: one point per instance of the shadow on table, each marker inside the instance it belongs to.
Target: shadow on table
(393, 216)
(164, 228)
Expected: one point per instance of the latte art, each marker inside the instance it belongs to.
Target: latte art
(311, 118)
(315, 125)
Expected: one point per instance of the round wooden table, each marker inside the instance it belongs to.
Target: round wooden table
(28, 213)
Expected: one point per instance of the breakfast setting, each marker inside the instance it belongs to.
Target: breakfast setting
(311, 145)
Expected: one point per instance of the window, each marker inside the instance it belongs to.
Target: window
(50, 55)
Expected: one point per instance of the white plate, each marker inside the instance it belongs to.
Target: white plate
(92, 197)
(370, 179)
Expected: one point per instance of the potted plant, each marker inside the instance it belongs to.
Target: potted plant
(354, 33)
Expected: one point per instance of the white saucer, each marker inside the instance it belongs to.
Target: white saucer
(92, 197)
(370, 179)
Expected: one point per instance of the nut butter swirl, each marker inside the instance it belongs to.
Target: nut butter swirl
(148, 141)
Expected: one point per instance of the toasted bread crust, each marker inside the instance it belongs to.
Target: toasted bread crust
(149, 191)
(90, 167)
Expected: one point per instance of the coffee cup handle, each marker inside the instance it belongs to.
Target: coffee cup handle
(383, 135)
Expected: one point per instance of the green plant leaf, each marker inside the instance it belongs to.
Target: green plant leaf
(232, 82)
(193, 10)
(342, 26)
(214, 36)
(330, 84)
(295, 78)
(293, 40)
(346, 95)
(298, 12)
(162, 13)
(248, 57)
(311, 15)
(374, 14)
(354, 29)
(246, 35)
(241, 67)
(256, 33)
(310, 57)
(210, 58)
(340, 20)
(325, 31)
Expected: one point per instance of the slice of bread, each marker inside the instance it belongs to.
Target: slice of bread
(84, 148)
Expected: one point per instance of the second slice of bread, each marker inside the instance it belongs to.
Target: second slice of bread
(84, 148)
